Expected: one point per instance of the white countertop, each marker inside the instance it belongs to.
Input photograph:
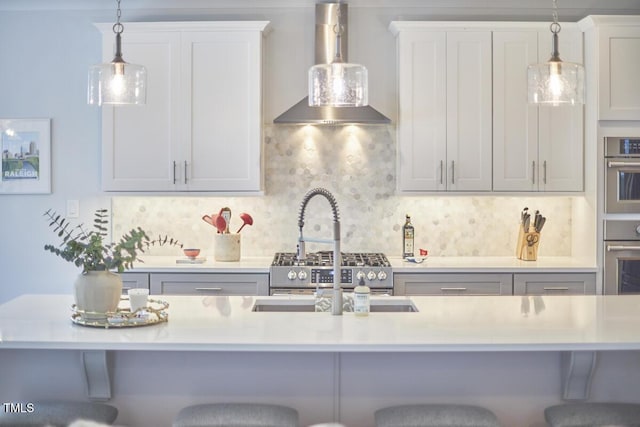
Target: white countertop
(486, 323)
(166, 264)
(494, 265)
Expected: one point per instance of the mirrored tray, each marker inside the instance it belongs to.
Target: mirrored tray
(154, 313)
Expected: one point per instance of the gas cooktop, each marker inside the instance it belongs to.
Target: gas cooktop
(325, 258)
(317, 270)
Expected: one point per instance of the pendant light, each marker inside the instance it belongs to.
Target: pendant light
(338, 84)
(117, 82)
(556, 82)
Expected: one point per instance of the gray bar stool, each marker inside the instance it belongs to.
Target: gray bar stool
(435, 415)
(593, 414)
(59, 414)
(236, 415)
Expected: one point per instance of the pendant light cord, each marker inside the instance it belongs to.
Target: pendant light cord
(555, 26)
(555, 29)
(118, 27)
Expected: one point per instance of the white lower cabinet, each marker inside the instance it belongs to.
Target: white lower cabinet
(554, 284)
(209, 284)
(452, 284)
(134, 280)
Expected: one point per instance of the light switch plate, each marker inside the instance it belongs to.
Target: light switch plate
(73, 209)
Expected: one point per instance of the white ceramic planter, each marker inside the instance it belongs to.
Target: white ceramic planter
(98, 292)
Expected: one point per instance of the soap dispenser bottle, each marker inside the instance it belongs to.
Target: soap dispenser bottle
(361, 299)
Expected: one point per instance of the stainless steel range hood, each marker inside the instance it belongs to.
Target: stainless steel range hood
(325, 51)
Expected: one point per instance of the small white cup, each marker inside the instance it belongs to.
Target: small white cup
(138, 298)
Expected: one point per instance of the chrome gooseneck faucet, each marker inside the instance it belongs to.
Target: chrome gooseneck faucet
(336, 300)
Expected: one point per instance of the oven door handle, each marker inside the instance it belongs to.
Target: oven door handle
(613, 164)
(613, 248)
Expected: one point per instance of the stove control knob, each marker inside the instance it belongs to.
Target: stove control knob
(638, 230)
(292, 275)
(360, 275)
(302, 275)
(371, 275)
(382, 275)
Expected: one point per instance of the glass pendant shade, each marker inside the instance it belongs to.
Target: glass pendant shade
(117, 83)
(556, 83)
(338, 84)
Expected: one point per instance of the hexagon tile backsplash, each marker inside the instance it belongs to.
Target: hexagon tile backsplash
(357, 164)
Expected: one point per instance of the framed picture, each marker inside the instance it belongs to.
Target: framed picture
(26, 156)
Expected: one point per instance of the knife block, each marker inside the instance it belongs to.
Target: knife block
(528, 245)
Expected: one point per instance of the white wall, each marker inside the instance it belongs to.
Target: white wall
(43, 74)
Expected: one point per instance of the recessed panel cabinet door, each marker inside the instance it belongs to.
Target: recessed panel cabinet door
(619, 86)
(137, 149)
(422, 118)
(561, 130)
(515, 122)
(469, 111)
(222, 110)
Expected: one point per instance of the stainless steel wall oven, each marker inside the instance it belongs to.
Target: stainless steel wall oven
(622, 175)
(621, 257)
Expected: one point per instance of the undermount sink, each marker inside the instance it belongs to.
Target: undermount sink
(378, 305)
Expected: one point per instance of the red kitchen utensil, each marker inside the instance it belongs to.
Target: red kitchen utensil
(209, 219)
(246, 220)
(221, 224)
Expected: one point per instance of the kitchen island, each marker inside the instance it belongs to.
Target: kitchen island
(513, 354)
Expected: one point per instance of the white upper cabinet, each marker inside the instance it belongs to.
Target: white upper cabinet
(617, 43)
(444, 123)
(201, 129)
(534, 148)
(464, 122)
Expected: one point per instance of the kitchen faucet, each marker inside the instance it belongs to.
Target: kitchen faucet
(336, 300)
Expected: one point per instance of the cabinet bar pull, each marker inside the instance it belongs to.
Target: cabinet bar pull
(441, 172)
(623, 164)
(453, 289)
(208, 289)
(615, 248)
(533, 172)
(544, 170)
(174, 171)
(556, 288)
(185, 171)
(453, 172)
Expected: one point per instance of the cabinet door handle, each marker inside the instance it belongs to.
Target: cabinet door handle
(556, 288)
(441, 172)
(533, 172)
(453, 289)
(185, 171)
(623, 164)
(208, 289)
(453, 172)
(544, 171)
(617, 248)
(174, 171)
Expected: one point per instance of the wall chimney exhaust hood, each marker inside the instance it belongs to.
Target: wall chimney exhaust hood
(325, 52)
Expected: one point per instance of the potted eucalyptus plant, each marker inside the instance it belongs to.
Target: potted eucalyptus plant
(98, 288)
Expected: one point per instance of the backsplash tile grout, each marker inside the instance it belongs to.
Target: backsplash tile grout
(357, 164)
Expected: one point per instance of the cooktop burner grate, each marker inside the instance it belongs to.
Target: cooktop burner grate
(325, 259)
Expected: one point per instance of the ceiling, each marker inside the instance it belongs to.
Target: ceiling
(500, 7)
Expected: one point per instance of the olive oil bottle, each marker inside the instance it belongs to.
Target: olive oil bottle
(407, 238)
